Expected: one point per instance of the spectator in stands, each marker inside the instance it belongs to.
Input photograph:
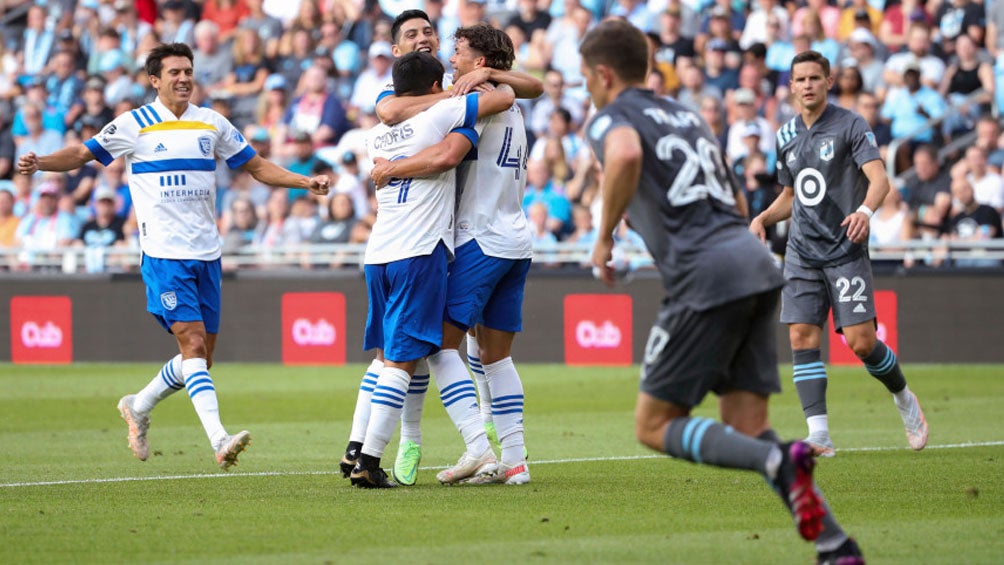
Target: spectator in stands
(918, 53)
(543, 239)
(674, 45)
(820, 40)
(275, 233)
(213, 62)
(303, 159)
(118, 82)
(583, 233)
(241, 226)
(560, 145)
(965, 75)
(113, 178)
(38, 138)
(337, 228)
(131, 29)
(7, 147)
(957, 18)
(847, 88)
(828, 17)
(296, 51)
(766, 78)
(272, 106)
(37, 42)
(374, 79)
(8, 220)
(540, 188)
(854, 11)
(636, 12)
(269, 29)
(898, 18)
(64, 87)
(562, 41)
(175, 26)
(302, 220)
(226, 14)
(348, 181)
(908, 108)
(759, 23)
(716, 72)
(529, 18)
(23, 188)
(554, 97)
(102, 232)
(988, 132)
(764, 103)
(971, 221)
(746, 116)
(247, 79)
(710, 108)
(929, 195)
(94, 109)
(317, 111)
(891, 223)
(861, 49)
(988, 186)
(868, 106)
(36, 95)
(46, 228)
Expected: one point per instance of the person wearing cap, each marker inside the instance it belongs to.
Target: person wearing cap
(862, 50)
(371, 81)
(908, 107)
(834, 179)
(96, 111)
(46, 227)
(171, 148)
(105, 229)
(743, 102)
(918, 52)
(717, 72)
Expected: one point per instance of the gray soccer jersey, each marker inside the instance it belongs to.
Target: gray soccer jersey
(685, 205)
(823, 165)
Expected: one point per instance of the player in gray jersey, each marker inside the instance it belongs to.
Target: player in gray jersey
(715, 330)
(833, 178)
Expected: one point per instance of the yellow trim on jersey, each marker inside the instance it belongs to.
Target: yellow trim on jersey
(176, 125)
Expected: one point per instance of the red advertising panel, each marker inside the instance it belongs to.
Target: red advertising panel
(886, 311)
(598, 329)
(313, 328)
(41, 329)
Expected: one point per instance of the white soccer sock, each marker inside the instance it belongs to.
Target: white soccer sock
(484, 395)
(203, 394)
(507, 408)
(167, 382)
(457, 393)
(411, 413)
(818, 424)
(361, 416)
(385, 409)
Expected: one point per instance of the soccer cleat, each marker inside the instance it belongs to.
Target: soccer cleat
(469, 465)
(370, 478)
(518, 474)
(138, 426)
(914, 422)
(348, 462)
(797, 465)
(821, 444)
(409, 455)
(493, 436)
(847, 554)
(226, 455)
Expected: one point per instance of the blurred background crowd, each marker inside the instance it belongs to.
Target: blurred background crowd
(300, 78)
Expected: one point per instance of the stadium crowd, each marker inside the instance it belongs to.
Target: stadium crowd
(301, 77)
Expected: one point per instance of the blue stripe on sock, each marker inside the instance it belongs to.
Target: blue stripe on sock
(197, 374)
(450, 397)
(688, 432)
(374, 375)
(193, 392)
(366, 388)
(369, 381)
(504, 412)
(818, 365)
(883, 367)
(390, 393)
(507, 398)
(418, 389)
(473, 359)
(385, 403)
(163, 377)
(194, 382)
(507, 405)
(459, 384)
(809, 377)
(459, 397)
(698, 436)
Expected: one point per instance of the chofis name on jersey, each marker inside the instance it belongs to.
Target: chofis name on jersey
(394, 136)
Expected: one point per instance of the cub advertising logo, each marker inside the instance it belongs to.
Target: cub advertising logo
(598, 329)
(886, 312)
(313, 328)
(41, 329)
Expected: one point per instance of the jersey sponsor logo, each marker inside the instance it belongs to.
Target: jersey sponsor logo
(871, 139)
(826, 150)
(108, 132)
(810, 186)
(393, 137)
(313, 328)
(206, 145)
(160, 148)
(41, 329)
(599, 127)
(169, 300)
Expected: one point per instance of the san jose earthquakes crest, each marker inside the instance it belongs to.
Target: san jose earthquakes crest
(169, 300)
(205, 145)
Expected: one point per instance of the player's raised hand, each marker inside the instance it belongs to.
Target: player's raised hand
(470, 81)
(28, 163)
(602, 254)
(380, 172)
(757, 229)
(857, 224)
(320, 184)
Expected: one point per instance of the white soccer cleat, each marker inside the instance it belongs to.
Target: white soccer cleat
(914, 422)
(821, 444)
(226, 455)
(518, 474)
(469, 465)
(138, 426)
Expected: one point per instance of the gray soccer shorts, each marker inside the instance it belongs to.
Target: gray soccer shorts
(729, 347)
(811, 292)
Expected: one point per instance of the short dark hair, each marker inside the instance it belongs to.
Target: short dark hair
(395, 28)
(493, 44)
(811, 56)
(618, 45)
(415, 73)
(155, 59)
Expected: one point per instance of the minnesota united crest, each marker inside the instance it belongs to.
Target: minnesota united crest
(826, 150)
(205, 145)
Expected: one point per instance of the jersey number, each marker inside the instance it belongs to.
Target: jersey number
(845, 286)
(810, 187)
(402, 185)
(505, 160)
(704, 159)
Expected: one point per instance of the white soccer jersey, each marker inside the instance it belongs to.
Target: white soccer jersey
(490, 184)
(415, 214)
(172, 163)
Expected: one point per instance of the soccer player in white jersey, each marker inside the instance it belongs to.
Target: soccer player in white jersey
(493, 251)
(412, 31)
(408, 251)
(171, 147)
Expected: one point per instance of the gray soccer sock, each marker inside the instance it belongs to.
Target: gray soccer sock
(703, 440)
(883, 365)
(810, 381)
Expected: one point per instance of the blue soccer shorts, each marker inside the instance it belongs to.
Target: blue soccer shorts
(406, 303)
(183, 290)
(485, 290)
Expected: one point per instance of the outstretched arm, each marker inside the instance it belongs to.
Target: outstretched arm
(858, 222)
(622, 155)
(433, 160)
(778, 210)
(525, 86)
(65, 159)
(267, 172)
(495, 101)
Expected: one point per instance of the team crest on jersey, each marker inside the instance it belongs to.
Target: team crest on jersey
(599, 126)
(169, 300)
(826, 150)
(238, 137)
(871, 139)
(205, 145)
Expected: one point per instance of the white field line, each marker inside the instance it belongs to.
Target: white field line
(535, 462)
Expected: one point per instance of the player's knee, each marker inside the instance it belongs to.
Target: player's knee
(651, 432)
(861, 345)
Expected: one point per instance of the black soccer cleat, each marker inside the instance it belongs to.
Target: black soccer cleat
(370, 478)
(847, 554)
(346, 465)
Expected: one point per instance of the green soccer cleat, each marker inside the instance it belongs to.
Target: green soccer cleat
(493, 436)
(409, 455)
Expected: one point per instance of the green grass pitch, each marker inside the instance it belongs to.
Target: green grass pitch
(70, 490)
